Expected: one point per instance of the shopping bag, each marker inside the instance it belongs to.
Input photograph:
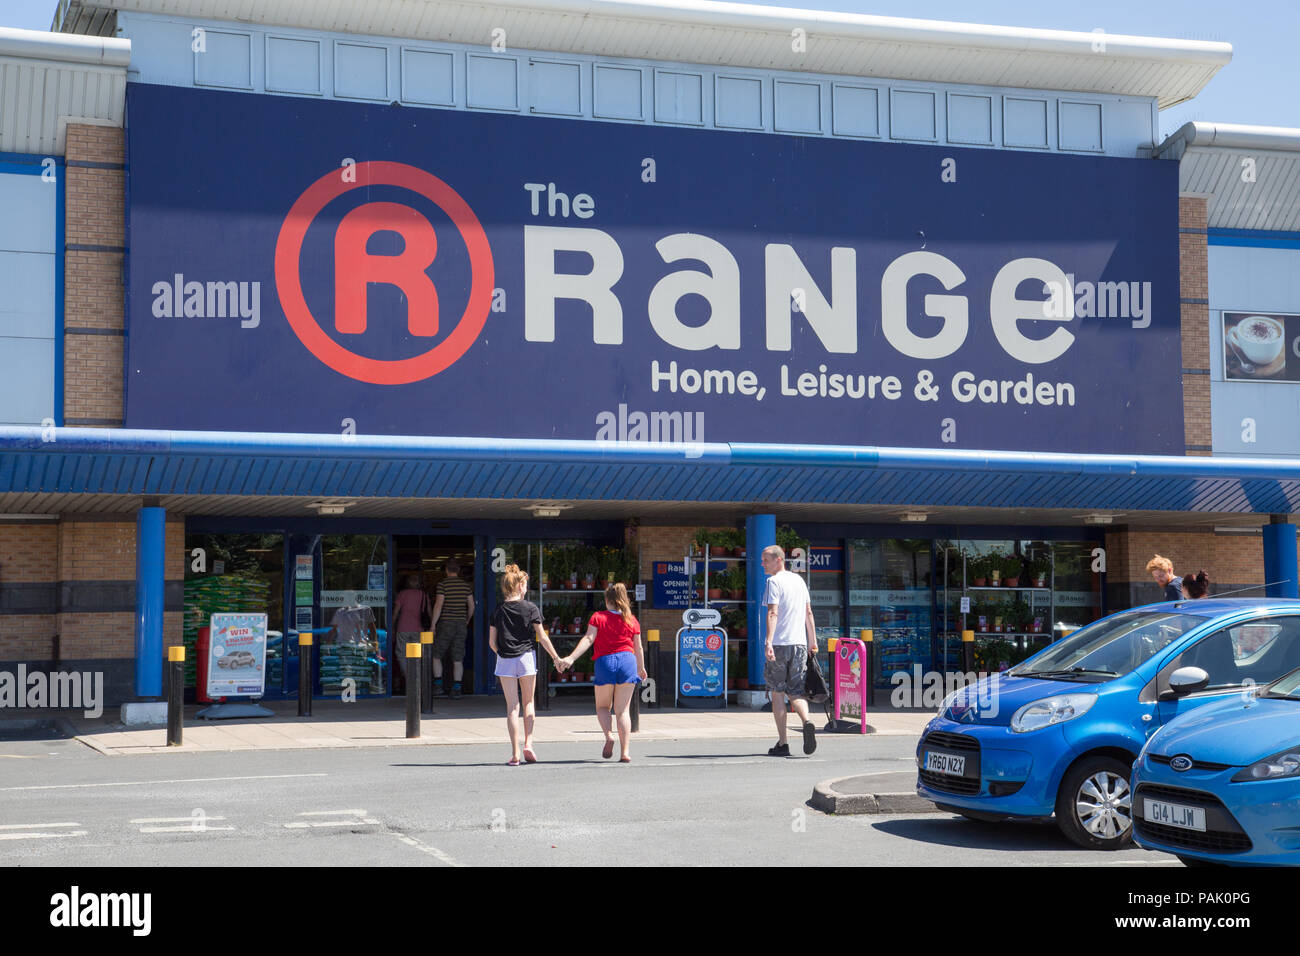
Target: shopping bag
(815, 687)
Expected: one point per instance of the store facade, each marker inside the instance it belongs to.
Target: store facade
(343, 307)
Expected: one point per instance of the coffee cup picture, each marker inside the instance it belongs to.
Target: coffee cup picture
(1259, 337)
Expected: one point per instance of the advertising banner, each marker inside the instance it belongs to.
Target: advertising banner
(1261, 347)
(237, 655)
(332, 267)
(702, 662)
(850, 682)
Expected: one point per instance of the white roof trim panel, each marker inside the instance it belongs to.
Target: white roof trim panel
(736, 35)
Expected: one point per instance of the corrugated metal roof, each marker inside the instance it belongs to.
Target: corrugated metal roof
(117, 462)
(1250, 173)
(731, 34)
(48, 78)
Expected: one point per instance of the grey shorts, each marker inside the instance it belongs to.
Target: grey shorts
(449, 634)
(785, 675)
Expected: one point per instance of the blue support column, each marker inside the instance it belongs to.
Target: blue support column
(760, 533)
(150, 567)
(1280, 558)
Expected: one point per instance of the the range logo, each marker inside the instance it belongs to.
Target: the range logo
(355, 268)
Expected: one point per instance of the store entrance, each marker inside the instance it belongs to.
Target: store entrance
(420, 569)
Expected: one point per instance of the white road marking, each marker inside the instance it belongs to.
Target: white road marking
(42, 836)
(363, 819)
(35, 826)
(188, 824)
(425, 848)
(189, 819)
(151, 783)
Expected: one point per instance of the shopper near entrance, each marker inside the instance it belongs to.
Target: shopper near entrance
(1196, 586)
(452, 611)
(1162, 570)
(791, 638)
(409, 607)
(620, 665)
(513, 634)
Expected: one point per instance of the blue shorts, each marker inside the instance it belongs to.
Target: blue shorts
(616, 669)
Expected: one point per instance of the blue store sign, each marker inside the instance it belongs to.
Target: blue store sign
(330, 267)
(672, 585)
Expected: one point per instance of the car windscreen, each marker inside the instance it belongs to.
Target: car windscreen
(1288, 686)
(1112, 646)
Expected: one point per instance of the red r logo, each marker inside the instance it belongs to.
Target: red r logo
(354, 269)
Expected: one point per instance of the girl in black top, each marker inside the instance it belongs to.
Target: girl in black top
(515, 630)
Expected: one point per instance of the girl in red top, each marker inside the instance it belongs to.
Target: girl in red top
(620, 665)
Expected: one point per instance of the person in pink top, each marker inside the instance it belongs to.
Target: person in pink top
(410, 602)
(620, 666)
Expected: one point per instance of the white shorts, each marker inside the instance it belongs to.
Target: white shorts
(525, 666)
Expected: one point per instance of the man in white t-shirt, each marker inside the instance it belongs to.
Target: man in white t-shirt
(791, 637)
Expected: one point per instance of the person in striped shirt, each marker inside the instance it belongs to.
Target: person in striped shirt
(453, 609)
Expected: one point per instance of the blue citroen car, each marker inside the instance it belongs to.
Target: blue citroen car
(1055, 737)
(1222, 783)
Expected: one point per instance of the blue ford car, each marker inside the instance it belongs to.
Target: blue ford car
(1057, 735)
(1222, 783)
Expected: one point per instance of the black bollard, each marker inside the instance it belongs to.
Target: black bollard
(413, 690)
(968, 651)
(636, 708)
(304, 674)
(426, 672)
(652, 664)
(175, 695)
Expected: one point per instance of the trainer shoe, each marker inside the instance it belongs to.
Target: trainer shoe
(809, 737)
(455, 694)
(780, 750)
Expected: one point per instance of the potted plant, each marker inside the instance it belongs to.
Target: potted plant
(994, 568)
(978, 568)
(789, 540)
(1018, 617)
(1012, 567)
(1039, 568)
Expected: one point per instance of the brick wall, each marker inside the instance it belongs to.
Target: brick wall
(28, 552)
(1193, 264)
(64, 565)
(1231, 561)
(94, 298)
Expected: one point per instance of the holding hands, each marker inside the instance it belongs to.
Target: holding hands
(562, 664)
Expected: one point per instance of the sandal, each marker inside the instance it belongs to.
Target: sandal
(529, 756)
(512, 762)
(624, 759)
(609, 749)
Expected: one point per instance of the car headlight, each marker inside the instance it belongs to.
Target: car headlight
(1276, 767)
(1051, 710)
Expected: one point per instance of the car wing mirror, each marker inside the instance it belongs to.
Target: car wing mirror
(1188, 680)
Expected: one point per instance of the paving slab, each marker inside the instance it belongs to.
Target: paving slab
(471, 720)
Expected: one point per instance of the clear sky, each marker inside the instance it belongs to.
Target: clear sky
(1260, 86)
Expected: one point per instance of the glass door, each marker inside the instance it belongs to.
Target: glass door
(354, 653)
(890, 592)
